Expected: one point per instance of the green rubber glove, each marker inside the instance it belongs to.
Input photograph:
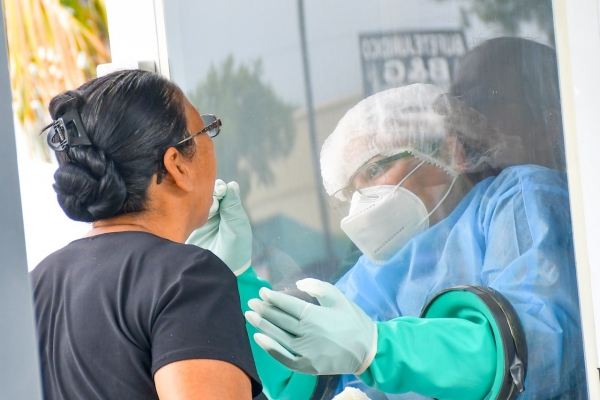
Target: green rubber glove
(279, 382)
(227, 232)
(442, 358)
(336, 337)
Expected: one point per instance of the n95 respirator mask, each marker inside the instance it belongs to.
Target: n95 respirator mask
(383, 219)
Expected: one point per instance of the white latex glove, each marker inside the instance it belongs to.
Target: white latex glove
(227, 232)
(351, 393)
(334, 338)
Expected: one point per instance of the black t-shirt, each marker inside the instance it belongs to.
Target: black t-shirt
(114, 308)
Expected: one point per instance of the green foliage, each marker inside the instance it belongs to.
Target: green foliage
(258, 128)
(509, 14)
(90, 13)
(54, 45)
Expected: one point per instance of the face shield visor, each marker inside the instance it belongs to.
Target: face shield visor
(378, 141)
(368, 180)
(421, 120)
(383, 214)
(375, 149)
(383, 125)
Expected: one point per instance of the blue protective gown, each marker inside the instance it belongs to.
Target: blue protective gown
(512, 233)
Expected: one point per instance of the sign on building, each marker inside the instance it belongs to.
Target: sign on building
(396, 59)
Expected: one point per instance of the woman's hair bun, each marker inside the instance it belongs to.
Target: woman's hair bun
(131, 118)
(88, 186)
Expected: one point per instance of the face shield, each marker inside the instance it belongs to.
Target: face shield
(368, 180)
(411, 132)
(417, 121)
(376, 143)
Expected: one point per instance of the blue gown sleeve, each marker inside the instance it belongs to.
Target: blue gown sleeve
(529, 259)
(279, 382)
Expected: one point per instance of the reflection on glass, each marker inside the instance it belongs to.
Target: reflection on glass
(400, 58)
(240, 95)
(481, 199)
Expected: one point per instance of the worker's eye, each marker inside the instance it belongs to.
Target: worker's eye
(373, 172)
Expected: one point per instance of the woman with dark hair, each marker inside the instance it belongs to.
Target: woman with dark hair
(129, 311)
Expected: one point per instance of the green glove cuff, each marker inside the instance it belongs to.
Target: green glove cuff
(243, 268)
(450, 358)
(278, 381)
(509, 336)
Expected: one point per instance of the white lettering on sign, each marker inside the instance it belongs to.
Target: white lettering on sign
(400, 58)
(417, 70)
(413, 44)
(439, 72)
(394, 73)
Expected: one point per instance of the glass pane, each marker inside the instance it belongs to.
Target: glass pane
(467, 89)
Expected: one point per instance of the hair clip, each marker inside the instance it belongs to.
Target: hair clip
(67, 131)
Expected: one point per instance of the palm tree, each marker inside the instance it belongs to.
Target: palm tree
(237, 93)
(53, 45)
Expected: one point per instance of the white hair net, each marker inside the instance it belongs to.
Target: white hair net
(416, 118)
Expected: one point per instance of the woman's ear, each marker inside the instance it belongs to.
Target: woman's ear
(178, 169)
(456, 151)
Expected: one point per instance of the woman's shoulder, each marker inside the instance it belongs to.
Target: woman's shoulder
(124, 243)
(131, 251)
(176, 256)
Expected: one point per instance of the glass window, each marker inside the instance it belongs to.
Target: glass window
(396, 148)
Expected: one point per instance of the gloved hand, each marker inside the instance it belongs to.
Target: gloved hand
(351, 393)
(227, 232)
(336, 337)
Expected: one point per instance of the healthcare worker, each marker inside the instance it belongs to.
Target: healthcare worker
(536, 256)
(517, 208)
(400, 168)
(513, 82)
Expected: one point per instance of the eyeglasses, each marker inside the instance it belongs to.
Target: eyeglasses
(370, 175)
(212, 126)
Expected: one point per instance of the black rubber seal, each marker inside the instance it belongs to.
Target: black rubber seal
(326, 387)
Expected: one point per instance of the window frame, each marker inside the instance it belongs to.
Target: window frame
(576, 23)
